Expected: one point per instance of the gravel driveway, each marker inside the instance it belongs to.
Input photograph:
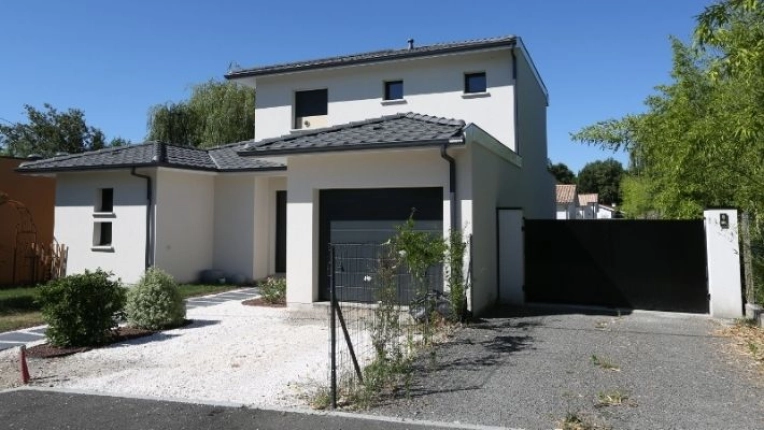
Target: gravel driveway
(529, 371)
(248, 355)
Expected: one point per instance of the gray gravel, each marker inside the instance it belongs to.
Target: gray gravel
(530, 370)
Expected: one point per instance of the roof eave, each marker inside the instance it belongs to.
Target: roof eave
(361, 147)
(403, 55)
(131, 165)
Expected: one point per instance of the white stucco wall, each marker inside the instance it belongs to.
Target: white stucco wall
(538, 183)
(234, 241)
(432, 86)
(76, 196)
(185, 208)
(566, 211)
(496, 182)
(308, 174)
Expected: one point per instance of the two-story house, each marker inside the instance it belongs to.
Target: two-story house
(344, 148)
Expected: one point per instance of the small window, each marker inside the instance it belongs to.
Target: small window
(309, 107)
(475, 82)
(102, 234)
(106, 200)
(394, 90)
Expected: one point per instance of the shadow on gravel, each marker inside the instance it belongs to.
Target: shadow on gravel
(469, 360)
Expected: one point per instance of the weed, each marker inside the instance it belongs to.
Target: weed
(600, 325)
(576, 421)
(611, 398)
(753, 348)
(322, 399)
(604, 363)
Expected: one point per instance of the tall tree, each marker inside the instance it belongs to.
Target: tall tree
(215, 114)
(701, 141)
(48, 132)
(562, 173)
(603, 178)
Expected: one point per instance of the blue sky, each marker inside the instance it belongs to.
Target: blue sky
(599, 58)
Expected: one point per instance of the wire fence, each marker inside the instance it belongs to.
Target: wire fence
(372, 297)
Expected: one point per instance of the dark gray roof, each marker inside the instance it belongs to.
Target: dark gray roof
(150, 154)
(375, 56)
(400, 130)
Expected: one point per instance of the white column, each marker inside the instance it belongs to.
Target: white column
(722, 247)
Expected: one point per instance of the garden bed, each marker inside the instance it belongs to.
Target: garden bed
(121, 334)
(261, 302)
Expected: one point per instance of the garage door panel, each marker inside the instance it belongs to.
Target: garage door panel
(370, 216)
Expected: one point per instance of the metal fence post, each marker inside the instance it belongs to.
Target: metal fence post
(332, 328)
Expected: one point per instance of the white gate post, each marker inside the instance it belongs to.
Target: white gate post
(723, 251)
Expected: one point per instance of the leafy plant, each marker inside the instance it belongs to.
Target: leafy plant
(455, 274)
(419, 250)
(155, 302)
(80, 309)
(273, 290)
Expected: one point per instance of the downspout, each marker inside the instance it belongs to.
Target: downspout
(451, 183)
(148, 215)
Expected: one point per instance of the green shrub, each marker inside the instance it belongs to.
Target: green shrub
(155, 302)
(80, 309)
(273, 290)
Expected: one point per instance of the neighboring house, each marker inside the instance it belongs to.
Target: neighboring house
(608, 212)
(333, 161)
(588, 206)
(29, 219)
(567, 201)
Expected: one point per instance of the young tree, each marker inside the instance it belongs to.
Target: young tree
(48, 132)
(562, 173)
(215, 114)
(603, 178)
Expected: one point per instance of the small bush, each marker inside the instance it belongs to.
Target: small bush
(155, 302)
(274, 290)
(80, 309)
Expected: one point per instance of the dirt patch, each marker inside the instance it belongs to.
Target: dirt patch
(121, 334)
(748, 340)
(261, 302)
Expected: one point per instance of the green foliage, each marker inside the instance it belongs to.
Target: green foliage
(603, 178)
(80, 309)
(419, 250)
(562, 173)
(155, 302)
(457, 293)
(637, 197)
(701, 142)
(273, 290)
(215, 114)
(49, 131)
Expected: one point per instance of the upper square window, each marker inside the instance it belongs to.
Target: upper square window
(105, 200)
(310, 108)
(394, 90)
(475, 82)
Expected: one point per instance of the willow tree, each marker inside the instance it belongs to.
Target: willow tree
(215, 114)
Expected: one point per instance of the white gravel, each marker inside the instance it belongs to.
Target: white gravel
(254, 356)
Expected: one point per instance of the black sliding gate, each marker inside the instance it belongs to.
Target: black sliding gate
(639, 264)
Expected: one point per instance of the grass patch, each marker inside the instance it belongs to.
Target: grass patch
(18, 309)
(604, 363)
(196, 290)
(611, 398)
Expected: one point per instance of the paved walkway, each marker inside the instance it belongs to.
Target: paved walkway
(35, 335)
